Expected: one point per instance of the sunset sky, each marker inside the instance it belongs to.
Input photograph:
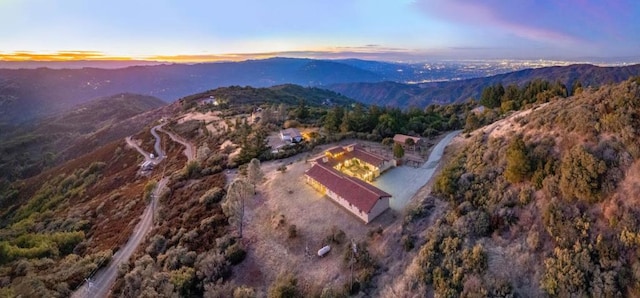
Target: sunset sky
(373, 29)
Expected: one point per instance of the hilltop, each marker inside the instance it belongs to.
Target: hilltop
(540, 203)
(422, 95)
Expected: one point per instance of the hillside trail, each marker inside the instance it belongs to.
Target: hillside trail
(189, 150)
(100, 284)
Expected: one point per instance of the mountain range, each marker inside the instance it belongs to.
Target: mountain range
(421, 95)
(32, 93)
(29, 93)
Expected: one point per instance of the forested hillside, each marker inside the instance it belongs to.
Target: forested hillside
(543, 202)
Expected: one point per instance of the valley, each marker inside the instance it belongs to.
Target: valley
(494, 197)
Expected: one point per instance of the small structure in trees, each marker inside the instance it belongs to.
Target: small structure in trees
(291, 135)
(409, 142)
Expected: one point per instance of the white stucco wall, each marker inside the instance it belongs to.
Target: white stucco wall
(379, 208)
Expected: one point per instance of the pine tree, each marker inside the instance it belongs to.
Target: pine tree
(518, 165)
(398, 151)
(233, 206)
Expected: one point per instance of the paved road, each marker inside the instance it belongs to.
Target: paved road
(404, 182)
(102, 281)
(158, 146)
(189, 151)
(133, 144)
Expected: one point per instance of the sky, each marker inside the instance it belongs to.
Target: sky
(393, 30)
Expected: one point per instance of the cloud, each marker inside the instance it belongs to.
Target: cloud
(532, 20)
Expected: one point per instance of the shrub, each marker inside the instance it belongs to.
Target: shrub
(212, 196)
(285, 286)
(244, 292)
(293, 231)
(581, 175)
(407, 242)
(212, 266)
(387, 141)
(235, 254)
(192, 170)
(148, 189)
(184, 281)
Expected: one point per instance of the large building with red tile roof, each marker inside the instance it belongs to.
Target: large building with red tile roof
(337, 172)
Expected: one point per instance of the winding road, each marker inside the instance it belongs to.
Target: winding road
(189, 150)
(100, 284)
(157, 145)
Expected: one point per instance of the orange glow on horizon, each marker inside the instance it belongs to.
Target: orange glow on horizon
(60, 56)
(82, 55)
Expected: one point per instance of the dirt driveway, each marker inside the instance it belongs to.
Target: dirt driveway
(404, 182)
(271, 251)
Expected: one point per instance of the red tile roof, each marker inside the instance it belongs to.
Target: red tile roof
(357, 192)
(365, 156)
(335, 150)
(403, 138)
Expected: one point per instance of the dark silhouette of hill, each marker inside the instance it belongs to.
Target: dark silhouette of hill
(26, 150)
(405, 95)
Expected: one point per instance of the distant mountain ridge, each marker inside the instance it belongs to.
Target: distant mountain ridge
(29, 94)
(405, 95)
(33, 93)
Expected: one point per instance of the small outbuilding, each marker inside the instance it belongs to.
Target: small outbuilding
(291, 135)
(409, 142)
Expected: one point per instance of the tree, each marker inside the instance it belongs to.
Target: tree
(254, 172)
(302, 111)
(410, 142)
(491, 96)
(282, 113)
(233, 206)
(518, 165)
(472, 122)
(345, 126)
(333, 119)
(581, 175)
(398, 151)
